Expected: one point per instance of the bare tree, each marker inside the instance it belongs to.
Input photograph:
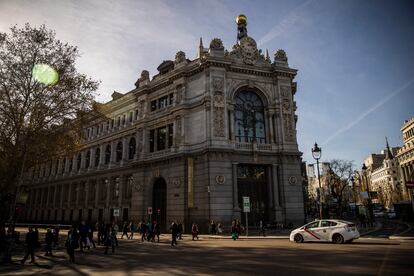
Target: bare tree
(339, 178)
(41, 93)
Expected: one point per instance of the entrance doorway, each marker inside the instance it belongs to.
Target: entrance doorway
(251, 182)
(159, 202)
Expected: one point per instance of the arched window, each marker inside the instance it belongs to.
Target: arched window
(78, 163)
(249, 118)
(119, 151)
(131, 148)
(108, 154)
(97, 156)
(88, 159)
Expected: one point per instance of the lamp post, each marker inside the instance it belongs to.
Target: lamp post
(317, 153)
(370, 210)
(355, 195)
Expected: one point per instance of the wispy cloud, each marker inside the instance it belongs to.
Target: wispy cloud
(286, 24)
(368, 112)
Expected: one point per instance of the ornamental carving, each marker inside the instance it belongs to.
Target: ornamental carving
(216, 44)
(143, 79)
(280, 55)
(288, 127)
(285, 91)
(218, 104)
(220, 179)
(286, 106)
(249, 51)
(218, 84)
(174, 181)
(179, 57)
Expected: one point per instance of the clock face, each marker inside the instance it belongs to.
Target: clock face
(249, 50)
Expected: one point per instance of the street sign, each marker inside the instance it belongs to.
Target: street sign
(246, 204)
(116, 212)
(149, 210)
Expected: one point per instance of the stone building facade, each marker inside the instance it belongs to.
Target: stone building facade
(405, 156)
(189, 143)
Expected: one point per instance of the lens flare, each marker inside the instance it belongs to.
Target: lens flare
(45, 74)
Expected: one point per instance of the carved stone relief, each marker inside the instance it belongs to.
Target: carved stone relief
(286, 103)
(218, 84)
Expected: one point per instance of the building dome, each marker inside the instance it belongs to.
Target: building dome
(241, 19)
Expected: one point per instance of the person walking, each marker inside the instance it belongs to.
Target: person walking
(101, 232)
(110, 238)
(30, 246)
(213, 228)
(262, 228)
(48, 241)
(83, 232)
(156, 231)
(234, 231)
(56, 236)
(219, 230)
(115, 230)
(132, 229)
(72, 242)
(180, 230)
(143, 231)
(194, 231)
(125, 230)
(90, 237)
(174, 233)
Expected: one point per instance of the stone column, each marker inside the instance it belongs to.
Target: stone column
(97, 186)
(276, 187)
(83, 161)
(69, 194)
(102, 155)
(269, 183)
(113, 153)
(108, 191)
(77, 192)
(124, 150)
(231, 122)
(271, 131)
(92, 158)
(86, 193)
(236, 208)
(121, 191)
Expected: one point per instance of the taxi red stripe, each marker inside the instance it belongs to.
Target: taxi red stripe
(312, 234)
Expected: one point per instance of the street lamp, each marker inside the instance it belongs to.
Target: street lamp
(355, 195)
(370, 210)
(317, 154)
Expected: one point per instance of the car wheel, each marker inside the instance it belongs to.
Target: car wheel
(298, 238)
(337, 238)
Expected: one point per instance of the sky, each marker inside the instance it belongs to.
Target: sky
(355, 58)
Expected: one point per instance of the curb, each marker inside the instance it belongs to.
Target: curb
(377, 227)
(398, 236)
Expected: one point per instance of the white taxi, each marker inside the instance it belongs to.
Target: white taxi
(330, 230)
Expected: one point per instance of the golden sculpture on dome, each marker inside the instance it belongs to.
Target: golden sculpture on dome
(241, 19)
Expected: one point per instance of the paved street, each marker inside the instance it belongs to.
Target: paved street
(366, 256)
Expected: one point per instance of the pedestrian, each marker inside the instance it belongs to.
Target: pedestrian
(72, 243)
(262, 228)
(219, 230)
(101, 232)
(213, 228)
(30, 246)
(194, 231)
(48, 241)
(234, 231)
(156, 231)
(125, 230)
(115, 230)
(238, 228)
(90, 237)
(132, 230)
(149, 231)
(110, 238)
(180, 230)
(83, 232)
(143, 231)
(174, 233)
(56, 236)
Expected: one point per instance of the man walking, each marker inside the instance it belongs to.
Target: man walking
(30, 246)
(174, 233)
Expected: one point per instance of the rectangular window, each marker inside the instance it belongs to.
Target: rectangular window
(162, 102)
(161, 138)
(152, 140)
(136, 114)
(170, 135)
(123, 120)
(153, 105)
(118, 122)
(130, 117)
(171, 98)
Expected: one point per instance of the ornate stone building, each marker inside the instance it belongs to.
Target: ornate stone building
(405, 156)
(190, 143)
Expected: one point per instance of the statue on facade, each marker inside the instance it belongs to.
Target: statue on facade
(241, 21)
